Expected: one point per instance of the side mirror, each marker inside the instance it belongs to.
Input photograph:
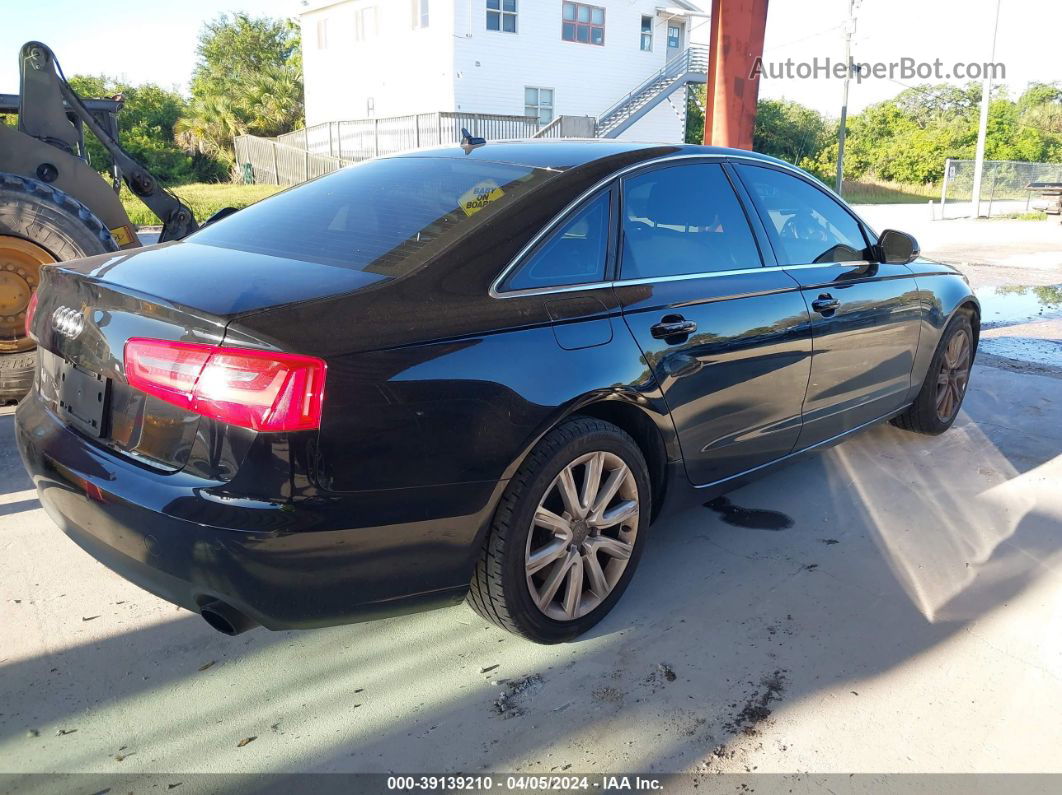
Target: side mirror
(224, 212)
(897, 248)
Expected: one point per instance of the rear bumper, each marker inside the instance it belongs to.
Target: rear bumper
(312, 562)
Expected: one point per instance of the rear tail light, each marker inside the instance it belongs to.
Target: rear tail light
(31, 310)
(261, 390)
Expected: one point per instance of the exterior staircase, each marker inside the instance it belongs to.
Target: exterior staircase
(689, 67)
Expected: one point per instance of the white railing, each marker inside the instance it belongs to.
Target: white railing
(361, 139)
(297, 156)
(694, 60)
(275, 163)
(568, 127)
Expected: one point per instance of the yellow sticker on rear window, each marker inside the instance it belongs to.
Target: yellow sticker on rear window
(479, 196)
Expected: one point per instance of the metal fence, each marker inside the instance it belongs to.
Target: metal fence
(364, 138)
(1002, 186)
(568, 127)
(275, 163)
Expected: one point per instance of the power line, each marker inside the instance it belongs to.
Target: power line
(802, 39)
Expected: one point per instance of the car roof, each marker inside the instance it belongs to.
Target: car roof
(565, 153)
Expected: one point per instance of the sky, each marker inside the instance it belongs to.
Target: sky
(120, 38)
(888, 30)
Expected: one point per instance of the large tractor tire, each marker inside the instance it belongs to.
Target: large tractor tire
(38, 225)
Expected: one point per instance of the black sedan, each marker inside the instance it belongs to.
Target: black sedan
(470, 373)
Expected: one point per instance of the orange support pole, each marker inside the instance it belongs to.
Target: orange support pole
(737, 28)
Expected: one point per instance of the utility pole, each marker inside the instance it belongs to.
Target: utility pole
(849, 30)
(982, 129)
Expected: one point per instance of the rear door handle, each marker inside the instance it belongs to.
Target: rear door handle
(825, 304)
(673, 326)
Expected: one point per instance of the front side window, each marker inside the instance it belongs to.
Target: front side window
(384, 216)
(808, 225)
(365, 24)
(674, 36)
(583, 23)
(647, 34)
(501, 15)
(681, 220)
(420, 14)
(574, 254)
(538, 102)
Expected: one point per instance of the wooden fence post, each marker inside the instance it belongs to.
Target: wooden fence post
(276, 169)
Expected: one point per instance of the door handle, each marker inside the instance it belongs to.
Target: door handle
(673, 326)
(825, 304)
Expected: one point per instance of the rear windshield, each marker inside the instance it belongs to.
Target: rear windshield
(384, 216)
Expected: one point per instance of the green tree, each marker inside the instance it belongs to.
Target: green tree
(784, 129)
(695, 114)
(146, 130)
(1040, 113)
(248, 79)
(791, 131)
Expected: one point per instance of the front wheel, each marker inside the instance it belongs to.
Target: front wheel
(942, 393)
(567, 535)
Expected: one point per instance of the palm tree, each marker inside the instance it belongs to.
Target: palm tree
(209, 126)
(273, 100)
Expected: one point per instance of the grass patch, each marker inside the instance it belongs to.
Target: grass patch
(875, 192)
(204, 199)
(1030, 216)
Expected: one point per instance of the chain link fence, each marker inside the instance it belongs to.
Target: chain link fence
(1003, 185)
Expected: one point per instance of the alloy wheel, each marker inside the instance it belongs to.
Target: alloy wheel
(954, 375)
(20, 273)
(582, 535)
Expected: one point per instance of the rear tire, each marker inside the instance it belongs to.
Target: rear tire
(596, 552)
(940, 398)
(60, 228)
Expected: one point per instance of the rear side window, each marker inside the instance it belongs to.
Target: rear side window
(384, 216)
(681, 220)
(809, 226)
(574, 254)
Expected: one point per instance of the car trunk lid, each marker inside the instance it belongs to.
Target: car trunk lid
(82, 325)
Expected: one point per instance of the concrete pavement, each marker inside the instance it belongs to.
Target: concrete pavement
(906, 618)
(910, 619)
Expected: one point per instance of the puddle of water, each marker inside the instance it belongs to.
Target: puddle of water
(752, 518)
(1005, 306)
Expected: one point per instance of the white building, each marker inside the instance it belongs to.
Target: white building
(545, 58)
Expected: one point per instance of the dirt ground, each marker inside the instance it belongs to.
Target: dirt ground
(891, 605)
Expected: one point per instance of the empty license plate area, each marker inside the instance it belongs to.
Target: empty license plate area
(82, 398)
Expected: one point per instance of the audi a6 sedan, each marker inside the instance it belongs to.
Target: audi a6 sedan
(474, 372)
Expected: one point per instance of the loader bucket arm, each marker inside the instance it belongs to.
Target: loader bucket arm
(41, 114)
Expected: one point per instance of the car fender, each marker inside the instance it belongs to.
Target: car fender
(944, 291)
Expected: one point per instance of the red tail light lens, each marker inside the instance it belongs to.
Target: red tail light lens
(31, 310)
(261, 390)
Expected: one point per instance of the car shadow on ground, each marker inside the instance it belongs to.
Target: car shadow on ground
(896, 543)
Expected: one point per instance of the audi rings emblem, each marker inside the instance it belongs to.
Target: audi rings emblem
(68, 322)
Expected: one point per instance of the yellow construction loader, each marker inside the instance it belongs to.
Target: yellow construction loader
(53, 205)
